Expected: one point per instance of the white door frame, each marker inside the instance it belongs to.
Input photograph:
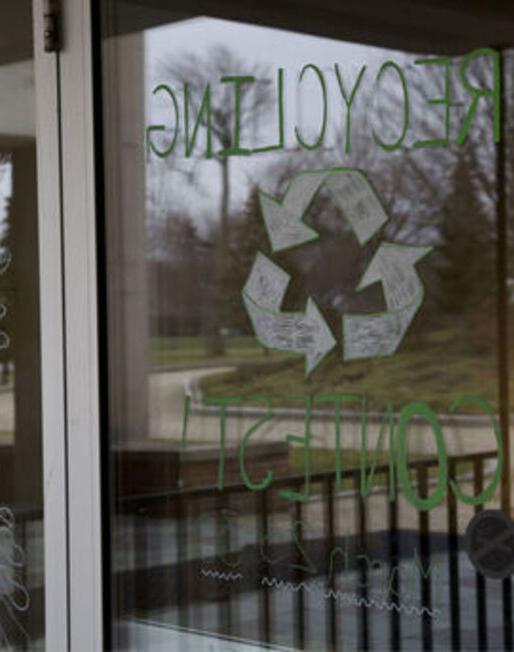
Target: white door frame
(69, 336)
(52, 340)
(81, 330)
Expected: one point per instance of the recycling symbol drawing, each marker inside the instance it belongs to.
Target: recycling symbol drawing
(307, 333)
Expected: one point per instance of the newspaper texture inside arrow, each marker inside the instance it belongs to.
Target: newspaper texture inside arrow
(358, 202)
(302, 333)
(284, 219)
(349, 187)
(377, 335)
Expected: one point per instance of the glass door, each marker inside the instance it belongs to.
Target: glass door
(306, 240)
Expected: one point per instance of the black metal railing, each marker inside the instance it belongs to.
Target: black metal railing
(240, 522)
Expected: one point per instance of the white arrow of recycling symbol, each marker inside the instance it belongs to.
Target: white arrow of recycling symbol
(349, 187)
(306, 333)
(364, 335)
(370, 336)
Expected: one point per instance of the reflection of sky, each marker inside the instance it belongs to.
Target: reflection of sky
(274, 49)
(194, 186)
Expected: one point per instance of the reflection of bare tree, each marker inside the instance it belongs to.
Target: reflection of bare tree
(196, 74)
(444, 196)
(185, 269)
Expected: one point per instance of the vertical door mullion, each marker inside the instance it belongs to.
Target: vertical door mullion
(81, 334)
(52, 340)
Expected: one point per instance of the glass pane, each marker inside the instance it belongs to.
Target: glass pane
(21, 499)
(309, 313)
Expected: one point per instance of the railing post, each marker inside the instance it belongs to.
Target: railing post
(507, 613)
(360, 514)
(262, 528)
(453, 560)
(223, 548)
(299, 577)
(393, 596)
(478, 481)
(424, 540)
(141, 561)
(329, 546)
(181, 538)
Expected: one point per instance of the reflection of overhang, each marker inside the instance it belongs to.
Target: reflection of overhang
(15, 33)
(8, 142)
(17, 112)
(422, 26)
(17, 106)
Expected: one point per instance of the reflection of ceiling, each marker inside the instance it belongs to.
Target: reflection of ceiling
(15, 31)
(442, 26)
(17, 118)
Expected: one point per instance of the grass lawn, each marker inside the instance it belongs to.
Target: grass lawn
(437, 369)
(192, 351)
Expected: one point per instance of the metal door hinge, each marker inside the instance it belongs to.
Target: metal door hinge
(51, 36)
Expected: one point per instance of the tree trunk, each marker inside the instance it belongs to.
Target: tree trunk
(219, 313)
